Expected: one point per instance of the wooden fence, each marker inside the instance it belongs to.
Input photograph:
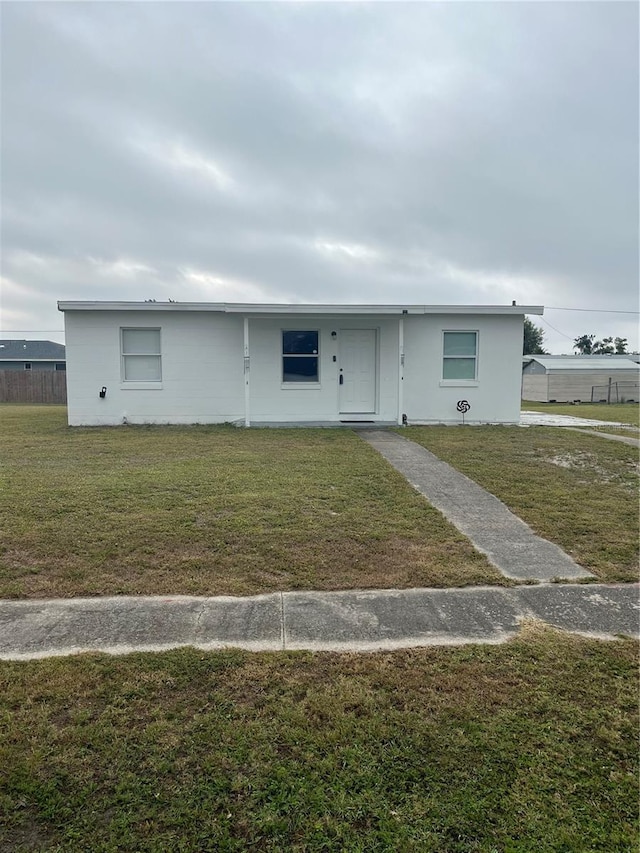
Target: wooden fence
(33, 386)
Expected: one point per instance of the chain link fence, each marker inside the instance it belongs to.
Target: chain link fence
(615, 392)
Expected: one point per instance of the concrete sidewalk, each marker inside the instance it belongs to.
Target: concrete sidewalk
(509, 544)
(333, 621)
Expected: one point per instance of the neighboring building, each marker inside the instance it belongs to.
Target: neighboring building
(580, 378)
(31, 355)
(32, 372)
(157, 362)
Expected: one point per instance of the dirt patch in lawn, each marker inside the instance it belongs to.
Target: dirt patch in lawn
(588, 462)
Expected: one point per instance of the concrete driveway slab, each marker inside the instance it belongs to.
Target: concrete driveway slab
(509, 544)
(549, 419)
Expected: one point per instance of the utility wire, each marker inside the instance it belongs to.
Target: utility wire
(556, 330)
(591, 310)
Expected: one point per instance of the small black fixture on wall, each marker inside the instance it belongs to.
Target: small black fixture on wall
(103, 391)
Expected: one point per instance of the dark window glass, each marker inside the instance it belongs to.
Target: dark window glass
(61, 365)
(300, 369)
(27, 365)
(300, 356)
(300, 343)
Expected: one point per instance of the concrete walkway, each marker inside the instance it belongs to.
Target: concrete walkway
(625, 439)
(332, 621)
(509, 544)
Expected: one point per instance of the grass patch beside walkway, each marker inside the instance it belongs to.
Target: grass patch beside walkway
(211, 510)
(530, 746)
(624, 413)
(577, 490)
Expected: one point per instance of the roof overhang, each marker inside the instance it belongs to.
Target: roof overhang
(299, 308)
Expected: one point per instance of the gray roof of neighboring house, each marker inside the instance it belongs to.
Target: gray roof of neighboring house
(31, 351)
(583, 362)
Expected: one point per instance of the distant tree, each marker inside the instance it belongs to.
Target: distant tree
(584, 344)
(588, 345)
(603, 347)
(533, 339)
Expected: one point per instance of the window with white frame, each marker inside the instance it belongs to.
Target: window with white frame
(300, 356)
(141, 360)
(460, 355)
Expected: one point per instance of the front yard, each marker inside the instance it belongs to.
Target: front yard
(211, 511)
(217, 510)
(528, 747)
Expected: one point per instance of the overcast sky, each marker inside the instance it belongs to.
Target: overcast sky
(301, 152)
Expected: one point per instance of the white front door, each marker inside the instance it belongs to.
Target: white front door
(357, 371)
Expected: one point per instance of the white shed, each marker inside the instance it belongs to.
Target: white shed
(172, 362)
(579, 378)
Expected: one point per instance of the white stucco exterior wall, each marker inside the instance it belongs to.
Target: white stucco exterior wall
(204, 381)
(495, 394)
(202, 369)
(275, 401)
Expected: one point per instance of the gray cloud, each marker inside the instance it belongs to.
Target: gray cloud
(322, 152)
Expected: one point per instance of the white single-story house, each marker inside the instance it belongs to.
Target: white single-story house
(185, 363)
(580, 378)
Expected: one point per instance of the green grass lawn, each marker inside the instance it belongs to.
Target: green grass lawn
(579, 491)
(624, 413)
(211, 510)
(530, 746)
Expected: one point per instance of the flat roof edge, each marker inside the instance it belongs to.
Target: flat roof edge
(296, 308)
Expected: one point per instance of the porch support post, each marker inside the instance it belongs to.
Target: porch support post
(247, 375)
(400, 369)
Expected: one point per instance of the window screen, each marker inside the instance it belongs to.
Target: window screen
(460, 355)
(141, 355)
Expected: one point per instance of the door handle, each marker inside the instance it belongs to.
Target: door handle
(341, 379)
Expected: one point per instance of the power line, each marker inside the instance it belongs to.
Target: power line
(590, 310)
(556, 330)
